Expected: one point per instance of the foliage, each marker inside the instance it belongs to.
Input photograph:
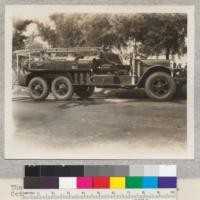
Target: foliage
(158, 33)
(154, 34)
(19, 26)
(47, 34)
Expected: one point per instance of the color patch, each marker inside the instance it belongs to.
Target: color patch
(121, 170)
(53, 170)
(84, 182)
(32, 171)
(49, 183)
(101, 182)
(76, 170)
(167, 170)
(91, 170)
(31, 183)
(62, 171)
(106, 170)
(150, 182)
(67, 182)
(151, 170)
(134, 182)
(136, 170)
(167, 182)
(117, 182)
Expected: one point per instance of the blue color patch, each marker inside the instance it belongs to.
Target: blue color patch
(150, 182)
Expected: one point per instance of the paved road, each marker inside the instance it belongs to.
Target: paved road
(101, 127)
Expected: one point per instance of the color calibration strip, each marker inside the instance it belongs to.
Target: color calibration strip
(100, 177)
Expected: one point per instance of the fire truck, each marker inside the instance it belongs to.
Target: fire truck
(64, 71)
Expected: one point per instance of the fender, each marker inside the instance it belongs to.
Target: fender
(156, 68)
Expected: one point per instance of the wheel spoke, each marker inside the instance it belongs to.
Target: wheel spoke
(160, 87)
(165, 91)
(157, 91)
(61, 88)
(165, 84)
(37, 88)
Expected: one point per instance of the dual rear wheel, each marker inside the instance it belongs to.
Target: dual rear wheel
(38, 88)
(61, 88)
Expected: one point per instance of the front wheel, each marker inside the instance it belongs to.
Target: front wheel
(160, 86)
(38, 88)
(62, 88)
(84, 92)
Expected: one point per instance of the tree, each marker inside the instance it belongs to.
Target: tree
(47, 34)
(32, 43)
(19, 26)
(160, 33)
(100, 31)
(155, 33)
(67, 31)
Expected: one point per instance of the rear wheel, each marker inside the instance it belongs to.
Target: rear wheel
(160, 86)
(38, 88)
(62, 88)
(84, 92)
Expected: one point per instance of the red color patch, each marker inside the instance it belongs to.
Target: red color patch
(101, 182)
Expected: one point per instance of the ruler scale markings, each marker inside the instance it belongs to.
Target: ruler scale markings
(122, 194)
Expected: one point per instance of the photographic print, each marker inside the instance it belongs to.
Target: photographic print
(99, 82)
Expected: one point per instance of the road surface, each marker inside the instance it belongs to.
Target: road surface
(104, 126)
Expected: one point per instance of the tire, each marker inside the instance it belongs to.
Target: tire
(62, 88)
(160, 86)
(38, 88)
(84, 92)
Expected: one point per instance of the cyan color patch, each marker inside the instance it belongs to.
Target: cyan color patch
(150, 182)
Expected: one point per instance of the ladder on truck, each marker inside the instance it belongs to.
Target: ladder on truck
(60, 50)
(28, 53)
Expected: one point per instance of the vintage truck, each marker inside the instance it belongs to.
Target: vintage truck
(64, 71)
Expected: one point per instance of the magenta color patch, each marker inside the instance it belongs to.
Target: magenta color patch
(84, 182)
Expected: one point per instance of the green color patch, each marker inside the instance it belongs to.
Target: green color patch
(134, 182)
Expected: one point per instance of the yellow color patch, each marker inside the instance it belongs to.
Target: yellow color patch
(117, 182)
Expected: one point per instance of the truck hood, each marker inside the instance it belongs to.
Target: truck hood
(153, 62)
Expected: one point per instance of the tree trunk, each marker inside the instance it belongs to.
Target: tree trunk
(167, 53)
